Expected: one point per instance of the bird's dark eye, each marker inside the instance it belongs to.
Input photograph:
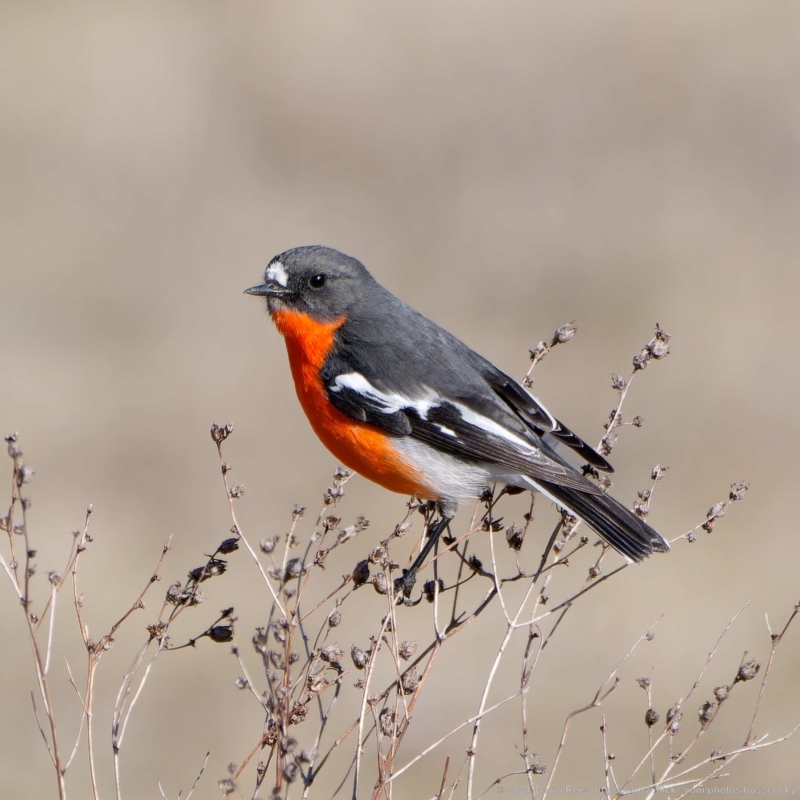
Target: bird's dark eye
(318, 281)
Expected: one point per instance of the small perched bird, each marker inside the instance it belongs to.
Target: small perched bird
(403, 402)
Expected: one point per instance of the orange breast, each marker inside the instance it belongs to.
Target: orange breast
(360, 446)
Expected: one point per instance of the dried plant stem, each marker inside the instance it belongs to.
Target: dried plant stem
(776, 639)
(680, 706)
(601, 694)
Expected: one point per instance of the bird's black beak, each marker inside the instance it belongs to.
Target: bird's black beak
(269, 289)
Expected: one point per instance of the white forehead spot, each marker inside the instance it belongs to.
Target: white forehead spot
(277, 272)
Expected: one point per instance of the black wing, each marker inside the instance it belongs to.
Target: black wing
(483, 432)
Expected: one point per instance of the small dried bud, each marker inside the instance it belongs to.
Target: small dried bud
(24, 474)
(268, 545)
(748, 671)
(298, 511)
(215, 566)
(475, 563)
(221, 633)
(429, 589)
(335, 619)
(380, 583)
(564, 334)
(410, 680)
(226, 785)
(407, 649)
(706, 712)
(333, 654)
(738, 491)
(659, 349)
(644, 683)
(674, 716)
(260, 641)
(514, 536)
(228, 546)
(722, 693)
(637, 421)
(330, 522)
(359, 657)
(361, 573)
(658, 472)
(617, 382)
(386, 722)
(294, 569)
(379, 555)
(651, 717)
(595, 571)
(539, 352)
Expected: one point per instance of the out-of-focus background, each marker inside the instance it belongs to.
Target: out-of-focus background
(505, 167)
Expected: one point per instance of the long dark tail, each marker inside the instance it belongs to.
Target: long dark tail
(619, 526)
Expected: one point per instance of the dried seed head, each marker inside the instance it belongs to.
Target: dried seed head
(220, 433)
(658, 472)
(268, 545)
(221, 633)
(644, 683)
(748, 671)
(307, 756)
(386, 722)
(407, 649)
(214, 567)
(294, 569)
(228, 545)
(659, 349)
(429, 589)
(335, 619)
(738, 491)
(378, 555)
(722, 693)
(706, 712)
(651, 717)
(361, 573)
(409, 682)
(674, 716)
(333, 654)
(380, 583)
(564, 333)
(226, 785)
(359, 657)
(514, 536)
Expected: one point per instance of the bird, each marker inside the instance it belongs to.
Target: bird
(406, 404)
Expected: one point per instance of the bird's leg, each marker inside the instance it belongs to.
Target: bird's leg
(405, 584)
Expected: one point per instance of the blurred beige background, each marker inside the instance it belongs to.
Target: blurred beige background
(505, 167)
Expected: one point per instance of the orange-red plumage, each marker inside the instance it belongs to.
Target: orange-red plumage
(358, 445)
